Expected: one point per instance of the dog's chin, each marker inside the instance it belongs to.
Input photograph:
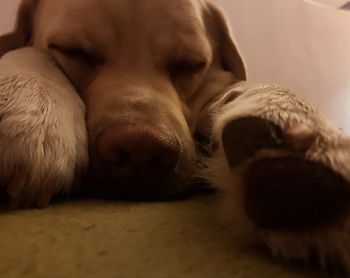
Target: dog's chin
(161, 192)
(178, 184)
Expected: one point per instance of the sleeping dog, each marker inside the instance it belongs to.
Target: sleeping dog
(162, 81)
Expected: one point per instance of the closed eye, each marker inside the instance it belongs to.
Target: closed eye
(76, 54)
(184, 67)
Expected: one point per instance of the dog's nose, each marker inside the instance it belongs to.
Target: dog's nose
(138, 154)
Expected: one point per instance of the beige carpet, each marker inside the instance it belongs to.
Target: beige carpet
(107, 239)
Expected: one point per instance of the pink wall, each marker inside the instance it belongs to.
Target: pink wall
(299, 45)
(289, 42)
(7, 10)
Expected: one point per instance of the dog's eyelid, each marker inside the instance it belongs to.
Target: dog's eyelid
(188, 66)
(77, 52)
(69, 50)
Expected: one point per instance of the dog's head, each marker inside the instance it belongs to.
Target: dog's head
(144, 69)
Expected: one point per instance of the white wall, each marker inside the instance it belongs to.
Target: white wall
(289, 42)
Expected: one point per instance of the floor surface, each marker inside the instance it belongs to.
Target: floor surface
(107, 239)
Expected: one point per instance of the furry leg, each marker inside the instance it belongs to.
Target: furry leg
(43, 140)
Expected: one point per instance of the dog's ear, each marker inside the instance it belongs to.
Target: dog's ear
(22, 33)
(227, 52)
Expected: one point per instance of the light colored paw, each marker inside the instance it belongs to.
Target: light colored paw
(284, 172)
(43, 141)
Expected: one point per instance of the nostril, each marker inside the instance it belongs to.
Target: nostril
(138, 154)
(164, 161)
(157, 161)
(123, 158)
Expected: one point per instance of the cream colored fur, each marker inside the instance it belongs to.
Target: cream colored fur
(43, 142)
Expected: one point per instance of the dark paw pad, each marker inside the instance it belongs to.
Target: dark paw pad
(244, 137)
(284, 192)
(291, 193)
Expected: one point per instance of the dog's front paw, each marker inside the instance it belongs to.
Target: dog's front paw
(43, 145)
(287, 186)
(286, 176)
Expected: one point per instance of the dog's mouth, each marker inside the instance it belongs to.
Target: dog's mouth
(178, 183)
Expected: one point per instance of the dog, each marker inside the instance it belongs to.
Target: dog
(140, 84)
(159, 80)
